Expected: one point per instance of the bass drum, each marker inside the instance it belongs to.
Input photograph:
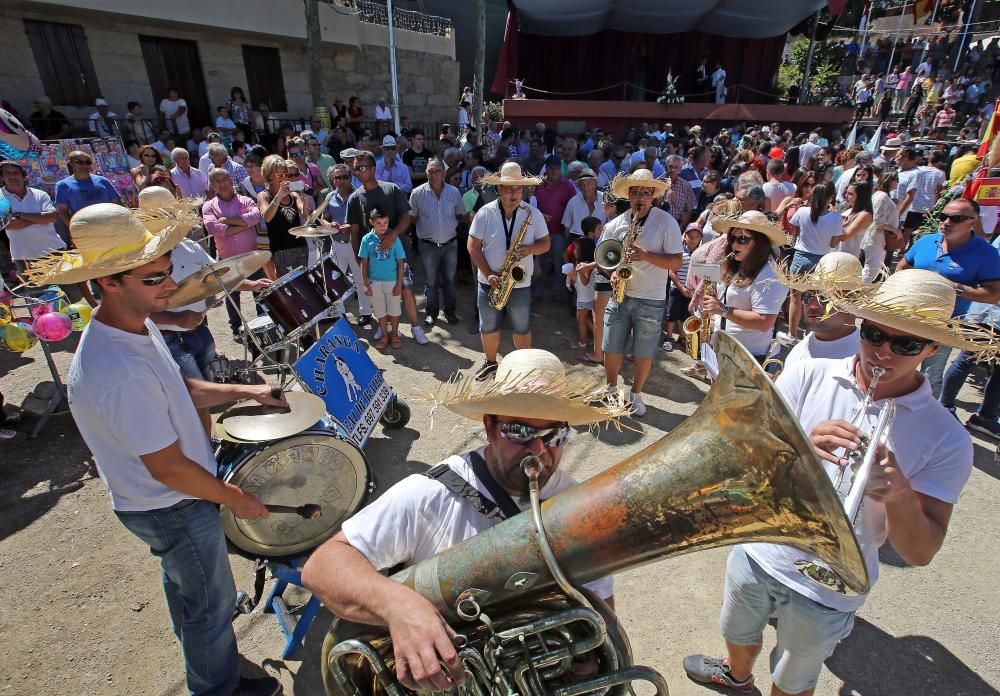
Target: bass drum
(316, 467)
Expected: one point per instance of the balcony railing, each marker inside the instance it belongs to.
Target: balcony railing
(376, 13)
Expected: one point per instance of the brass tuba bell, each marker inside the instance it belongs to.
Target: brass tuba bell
(740, 469)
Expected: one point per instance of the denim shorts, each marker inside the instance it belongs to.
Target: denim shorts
(643, 318)
(803, 261)
(518, 311)
(584, 304)
(808, 632)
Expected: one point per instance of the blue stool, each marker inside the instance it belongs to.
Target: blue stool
(294, 627)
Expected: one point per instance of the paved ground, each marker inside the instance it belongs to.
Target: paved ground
(81, 609)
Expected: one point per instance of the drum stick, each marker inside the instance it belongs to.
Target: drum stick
(309, 511)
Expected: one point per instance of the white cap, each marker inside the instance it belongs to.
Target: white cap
(101, 102)
(388, 141)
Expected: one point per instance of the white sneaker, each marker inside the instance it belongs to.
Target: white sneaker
(418, 335)
(378, 334)
(668, 346)
(638, 408)
(787, 338)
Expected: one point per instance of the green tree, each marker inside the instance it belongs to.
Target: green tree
(827, 58)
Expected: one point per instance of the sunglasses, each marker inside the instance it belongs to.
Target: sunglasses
(523, 435)
(362, 168)
(86, 162)
(297, 153)
(900, 345)
(954, 219)
(741, 239)
(809, 297)
(155, 279)
(341, 178)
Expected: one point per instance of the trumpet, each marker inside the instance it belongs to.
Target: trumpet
(861, 462)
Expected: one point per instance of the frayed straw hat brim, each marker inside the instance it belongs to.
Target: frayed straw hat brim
(811, 281)
(620, 185)
(499, 180)
(774, 233)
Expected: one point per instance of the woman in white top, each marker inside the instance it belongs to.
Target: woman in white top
(749, 297)
(857, 217)
(817, 227)
(885, 220)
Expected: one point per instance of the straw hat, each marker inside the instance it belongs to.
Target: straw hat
(920, 303)
(891, 145)
(155, 197)
(532, 383)
(510, 175)
(837, 270)
(621, 184)
(752, 220)
(111, 239)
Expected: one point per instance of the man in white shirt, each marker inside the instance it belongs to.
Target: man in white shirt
(31, 231)
(382, 112)
(463, 496)
(101, 122)
(588, 203)
(918, 477)
(719, 84)
(192, 182)
(809, 149)
(174, 113)
(775, 189)
(913, 200)
(656, 251)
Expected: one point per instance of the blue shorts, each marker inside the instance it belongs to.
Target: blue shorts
(584, 304)
(643, 318)
(808, 632)
(518, 311)
(803, 261)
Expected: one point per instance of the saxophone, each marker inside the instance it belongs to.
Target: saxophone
(698, 328)
(624, 270)
(512, 272)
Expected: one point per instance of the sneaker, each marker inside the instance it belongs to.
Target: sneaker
(638, 408)
(981, 424)
(712, 670)
(453, 319)
(365, 320)
(787, 338)
(429, 321)
(486, 370)
(418, 335)
(258, 686)
(668, 346)
(378, 334)
(11, 437)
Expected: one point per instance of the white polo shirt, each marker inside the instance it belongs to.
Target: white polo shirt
(576, 211)
(34, 241)
(811, 347)
(661, 235)
(488, 226)
(932, 449)
(187, 258)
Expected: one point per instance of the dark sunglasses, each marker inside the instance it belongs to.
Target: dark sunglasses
(297, 153)
(900, 345)
(341, 177)
(741, 239)
(955, 219)
(809, 297)
(155, 279)
(362, 168)
(523, 435)
(86, 162)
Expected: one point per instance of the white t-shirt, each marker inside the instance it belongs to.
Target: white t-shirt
(33, 241)
(814, 238)
(764, 295)
(419, 518)
(128, 399)
(907, 183)
(932, 449)
(778, 191)
(169, 108)
(187, 258)
(488, 225)
(585, 293)
(576, 211)
(661, 235)
(811, 347)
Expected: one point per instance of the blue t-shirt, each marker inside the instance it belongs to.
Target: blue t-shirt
(80, 194)
(974, 263)
(381, 264)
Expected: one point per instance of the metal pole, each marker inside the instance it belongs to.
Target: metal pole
(479, 80)
(930, 27)
(965, 34)
(899, 28)
(804, 88)
(392, 66)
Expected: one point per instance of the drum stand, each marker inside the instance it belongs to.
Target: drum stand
(294, 627)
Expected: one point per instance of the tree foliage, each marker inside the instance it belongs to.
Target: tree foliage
(826, 61)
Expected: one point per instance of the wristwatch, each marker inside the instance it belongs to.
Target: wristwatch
(726, 309)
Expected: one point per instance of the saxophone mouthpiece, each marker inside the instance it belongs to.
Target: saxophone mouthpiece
(532, 467)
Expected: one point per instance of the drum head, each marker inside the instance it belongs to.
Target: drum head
(314, 467)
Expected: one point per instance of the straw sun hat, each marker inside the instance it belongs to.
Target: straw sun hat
(835, 270)
(920, 303)
(532, 383)
(510, 175)
(621, 184)
(752, 220)
(112, 239)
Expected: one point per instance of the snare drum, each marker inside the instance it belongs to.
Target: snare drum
(316, 467)
(264, 330)
(330, 281)
(294, 303)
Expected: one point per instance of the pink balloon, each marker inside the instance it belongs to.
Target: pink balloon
(52, 326)
(39, 309)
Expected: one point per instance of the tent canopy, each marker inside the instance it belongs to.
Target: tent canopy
(749, 19)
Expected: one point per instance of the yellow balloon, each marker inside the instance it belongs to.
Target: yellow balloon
(19, 337)
(79, 314)
(5, 315)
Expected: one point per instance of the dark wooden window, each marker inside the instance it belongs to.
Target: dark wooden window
(64, 63)
(264, 80)
(175, 63)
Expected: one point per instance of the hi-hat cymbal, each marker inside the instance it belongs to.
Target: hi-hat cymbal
(312, 231)
(205, 282)
(249, 420)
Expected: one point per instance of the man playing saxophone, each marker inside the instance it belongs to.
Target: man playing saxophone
(921, 466)
(653, 249)
(506, 229)
(424, 514)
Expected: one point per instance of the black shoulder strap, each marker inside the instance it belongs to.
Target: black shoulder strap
(448, 478)
(502, 497)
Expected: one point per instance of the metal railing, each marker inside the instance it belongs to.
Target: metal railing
(372, 12)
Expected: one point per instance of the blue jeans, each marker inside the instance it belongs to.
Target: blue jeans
(193, 351)
(642, 320)
(933, 369)
(199, 587)
(955, 377)
(518, 310)
(444, 260)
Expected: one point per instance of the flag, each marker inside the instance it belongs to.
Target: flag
(874, 141)
(851, 137)
(921, 8)
(991, 132)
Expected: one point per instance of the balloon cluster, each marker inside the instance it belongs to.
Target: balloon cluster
(53, 318)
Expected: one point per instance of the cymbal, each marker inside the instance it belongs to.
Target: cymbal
(249, 420)
(204, 283)
(313, 231)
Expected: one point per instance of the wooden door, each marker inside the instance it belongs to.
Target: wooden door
(175, 62)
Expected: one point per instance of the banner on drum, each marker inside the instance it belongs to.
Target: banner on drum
(337, 369)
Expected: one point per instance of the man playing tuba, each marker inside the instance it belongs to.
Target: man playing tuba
(527, 410)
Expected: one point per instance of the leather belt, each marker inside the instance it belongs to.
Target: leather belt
(427, 241)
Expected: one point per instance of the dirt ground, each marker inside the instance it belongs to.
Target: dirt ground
(82, 611)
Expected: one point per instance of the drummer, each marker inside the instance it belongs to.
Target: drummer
(139, 417)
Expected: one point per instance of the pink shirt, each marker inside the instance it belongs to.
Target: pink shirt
(215, 211)
(552, 202)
